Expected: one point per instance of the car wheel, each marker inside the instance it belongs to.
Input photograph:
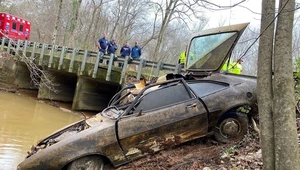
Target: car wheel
(87, 163)
(231, 128)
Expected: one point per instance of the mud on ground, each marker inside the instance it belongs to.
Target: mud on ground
(206, 154)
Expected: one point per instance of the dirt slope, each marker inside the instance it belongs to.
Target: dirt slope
(206, 154)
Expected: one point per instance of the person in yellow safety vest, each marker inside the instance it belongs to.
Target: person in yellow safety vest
(237, 67)
(234, 67)
(224, 67)
(182, 58)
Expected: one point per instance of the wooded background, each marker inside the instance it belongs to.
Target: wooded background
(162, 27)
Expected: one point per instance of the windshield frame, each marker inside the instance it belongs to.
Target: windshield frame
(215, 57)
(198, 51)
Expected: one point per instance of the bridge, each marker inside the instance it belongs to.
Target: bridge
(76, 75)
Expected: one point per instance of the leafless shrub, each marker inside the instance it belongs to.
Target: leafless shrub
(39, 77)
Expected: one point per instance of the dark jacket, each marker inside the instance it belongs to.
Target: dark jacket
(103, 44)
(136, 52)
(125, 51)
(112, 47)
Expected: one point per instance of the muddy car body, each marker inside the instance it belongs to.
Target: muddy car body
(161, 115)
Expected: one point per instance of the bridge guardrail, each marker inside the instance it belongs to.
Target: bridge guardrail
(29, 46)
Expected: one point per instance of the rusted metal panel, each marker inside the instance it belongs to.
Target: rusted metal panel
(156, 130)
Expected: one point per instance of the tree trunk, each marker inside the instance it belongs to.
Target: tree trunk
(74, 21)
(89, 27)
(96, 33)
(96, 7)
(161, 33)
(57, 22)
(264, 84)
(118, 15)
(286, 145)
(170, 10)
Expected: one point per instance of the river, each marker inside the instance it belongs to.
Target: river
(23, 122)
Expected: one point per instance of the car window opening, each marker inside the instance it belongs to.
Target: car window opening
(162, 97)
(205, 88)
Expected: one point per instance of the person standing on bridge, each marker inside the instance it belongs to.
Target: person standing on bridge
(112, 47)
(102, 46)
(125, 51)
(136, 51)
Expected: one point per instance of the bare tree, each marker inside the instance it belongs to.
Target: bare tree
(284, 116)
(276, 97)
(95, 7)
(126, 20)
(74, 20)
(57, 22)
(170, 10)
(264, 84)
(296, 37)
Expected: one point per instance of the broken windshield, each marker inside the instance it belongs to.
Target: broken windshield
(202, 47)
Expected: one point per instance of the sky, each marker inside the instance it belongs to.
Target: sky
(247, 11)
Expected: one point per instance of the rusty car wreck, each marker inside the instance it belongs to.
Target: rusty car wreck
(163, 114)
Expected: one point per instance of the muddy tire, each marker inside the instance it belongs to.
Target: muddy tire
(231, 127)
(87, 163)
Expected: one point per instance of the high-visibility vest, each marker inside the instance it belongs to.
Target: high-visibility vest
(237, 68)
(182, 58)
(233, 67)
(224, 67)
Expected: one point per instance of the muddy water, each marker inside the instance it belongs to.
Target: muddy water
(23, 122)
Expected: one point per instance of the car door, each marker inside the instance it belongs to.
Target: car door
(163, 117)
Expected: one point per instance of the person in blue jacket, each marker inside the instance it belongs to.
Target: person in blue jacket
(125, 51)
(112, 47)
(102, 46)
(136, 51)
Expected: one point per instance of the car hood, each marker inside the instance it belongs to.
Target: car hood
(70, 130)
(210, 49)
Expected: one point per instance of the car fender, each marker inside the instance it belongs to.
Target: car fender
(232, 110)
(89, 142)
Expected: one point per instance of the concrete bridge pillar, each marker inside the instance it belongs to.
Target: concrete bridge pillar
(62, 87)
(92, 94)
(15, 74)
(22, 77)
